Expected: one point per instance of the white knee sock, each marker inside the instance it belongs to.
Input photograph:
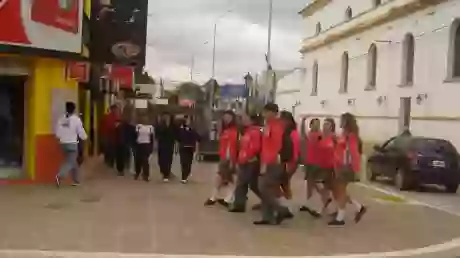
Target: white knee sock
(340, 215)
(230, 198)
(215, 194)
(356, 204)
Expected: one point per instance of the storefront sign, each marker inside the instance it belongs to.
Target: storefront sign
(78, 71)
(119, 31)
(44, 24)
(124, 75)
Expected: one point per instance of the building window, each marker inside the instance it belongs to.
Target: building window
(408, 60)
(377, 3)
(348, 14)
(344, 75)
(372, 68)
(454, 51)
(318, 28)
(314, 79)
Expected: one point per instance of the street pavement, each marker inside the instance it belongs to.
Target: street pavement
(119, 215)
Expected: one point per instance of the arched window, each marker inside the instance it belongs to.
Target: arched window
(408, 59)
(454, 51)
(318, 28)
(348, 14)
(314, 79)
(377, 2)
(372, 67)
(344, 75)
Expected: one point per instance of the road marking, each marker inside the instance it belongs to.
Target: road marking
(408, 199)
(433, 249)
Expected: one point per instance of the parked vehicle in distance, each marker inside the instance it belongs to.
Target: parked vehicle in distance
(414, 161)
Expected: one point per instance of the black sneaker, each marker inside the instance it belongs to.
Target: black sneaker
(335, 222)
(57, 181)
(359, 215)
(237, 210)
(262, 222)
(223, 203)
(313, 213)
(209, 202)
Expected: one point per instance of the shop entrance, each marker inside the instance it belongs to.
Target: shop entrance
(11, 125)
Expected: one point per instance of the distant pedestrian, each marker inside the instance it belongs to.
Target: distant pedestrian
(108, 134)
(222, 191)
(276, 154)
(313, 173)
(347, 166)
(144, 148)
(123, 141)
(248, 162)
(166, 134)
(69, 130)
(291, 167)
(188, 140)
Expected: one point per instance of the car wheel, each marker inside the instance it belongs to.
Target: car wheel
(402, 180)
(452, 188)
(370, 174)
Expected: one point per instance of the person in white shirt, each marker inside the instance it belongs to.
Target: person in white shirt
(144, 148)
(69, 131)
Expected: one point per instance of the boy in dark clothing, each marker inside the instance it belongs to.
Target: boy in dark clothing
(166, 134)
(125, 134)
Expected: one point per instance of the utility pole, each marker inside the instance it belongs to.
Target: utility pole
(214, 51)
(269, 82)
(192, 66)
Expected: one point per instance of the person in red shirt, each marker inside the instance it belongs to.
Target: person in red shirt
(248, 162)
(292, 165)
(347, 166)
(228, 143)
(274, 156)
(109, 135)
(312, 160)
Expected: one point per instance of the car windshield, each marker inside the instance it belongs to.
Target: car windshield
(433, 145)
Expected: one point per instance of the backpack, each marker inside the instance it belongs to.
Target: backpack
(287, 147)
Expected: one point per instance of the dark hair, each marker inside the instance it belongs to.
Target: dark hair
(313, 121)
(349, 123)
(272, 107)
(331, 122)
(255, 118)
(232, 123)
(69, 108)
(288, 117)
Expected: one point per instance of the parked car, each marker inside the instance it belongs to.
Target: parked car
(413, 161)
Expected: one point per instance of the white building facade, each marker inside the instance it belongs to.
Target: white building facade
(392, 63)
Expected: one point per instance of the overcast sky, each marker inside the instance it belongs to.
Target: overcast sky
(179, 29)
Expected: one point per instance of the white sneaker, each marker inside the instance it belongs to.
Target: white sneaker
(183, 181)
(165, 180)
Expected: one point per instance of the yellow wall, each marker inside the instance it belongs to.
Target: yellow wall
(46, 75)
(87, 8)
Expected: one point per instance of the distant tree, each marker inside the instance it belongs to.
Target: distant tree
(192, 91)
(143, 78)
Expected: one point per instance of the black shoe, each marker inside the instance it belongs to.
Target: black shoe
(336, 223)
(136, 177)
(57, 181)
(313, 213)
(289, 215)
(121, 174)
(146, 179)
(209, 202)
(237, 210)
(223, 203)
(262, 222)
(360, 214)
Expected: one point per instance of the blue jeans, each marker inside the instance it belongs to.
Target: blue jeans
(70, 163)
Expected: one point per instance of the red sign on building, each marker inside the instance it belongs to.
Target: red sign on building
(78, 71)
(60, 14)
(124, 75)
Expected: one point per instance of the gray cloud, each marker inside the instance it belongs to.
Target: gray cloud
(178, 30)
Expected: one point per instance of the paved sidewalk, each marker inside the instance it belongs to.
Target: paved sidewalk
(112, 214)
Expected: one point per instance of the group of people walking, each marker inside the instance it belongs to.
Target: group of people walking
(264, 159)
(124, 139)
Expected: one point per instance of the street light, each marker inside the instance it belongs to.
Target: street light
(214, 43)
(192, 65)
